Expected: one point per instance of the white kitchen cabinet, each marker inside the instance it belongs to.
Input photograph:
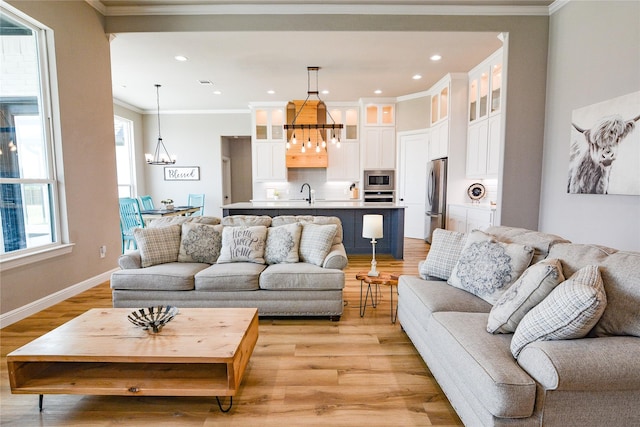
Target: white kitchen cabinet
(268, 123)
(494, 139)
(439, 142)
(344, 162)
(347, 116)
(379, 147)
(483, 148)
(466, 218)
(440, 101)
(379, 115)
(269, 161)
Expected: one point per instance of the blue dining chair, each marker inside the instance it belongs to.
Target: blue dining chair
(147, 203)
(197, 200)
(130, 218)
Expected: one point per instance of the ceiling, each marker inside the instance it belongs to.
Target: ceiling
(243, 66)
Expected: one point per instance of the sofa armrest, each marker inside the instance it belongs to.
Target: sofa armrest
(336, 258)
(603, 363)
(130, 260)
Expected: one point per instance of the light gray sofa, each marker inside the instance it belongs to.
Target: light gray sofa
(281, 289)
(591, 381)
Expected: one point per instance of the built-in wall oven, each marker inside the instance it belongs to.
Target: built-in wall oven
(379, 185)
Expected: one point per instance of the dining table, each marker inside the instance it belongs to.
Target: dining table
(151, 214)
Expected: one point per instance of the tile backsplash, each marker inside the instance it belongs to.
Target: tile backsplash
(316, 177)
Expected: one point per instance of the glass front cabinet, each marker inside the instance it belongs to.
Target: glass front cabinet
(268, 142)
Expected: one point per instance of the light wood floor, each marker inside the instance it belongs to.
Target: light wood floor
(355, 372)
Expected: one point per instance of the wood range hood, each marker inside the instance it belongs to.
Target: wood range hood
(308, 113)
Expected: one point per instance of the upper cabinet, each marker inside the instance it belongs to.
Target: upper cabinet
(440, 101)
(448, 101)
(347, 116)
(485, 88)
(380, 115)
(268, 123)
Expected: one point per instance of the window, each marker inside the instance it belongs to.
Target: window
(28, 186)
(124, 157)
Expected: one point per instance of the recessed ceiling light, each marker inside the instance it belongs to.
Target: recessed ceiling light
(435, 57)
(416, 77)
(217, 92)
(271, 91)
(180, 58)
(377, 91)
(325, 92)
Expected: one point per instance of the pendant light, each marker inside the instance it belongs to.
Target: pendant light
(161, 155)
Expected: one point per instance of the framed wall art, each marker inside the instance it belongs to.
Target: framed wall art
(182, 173)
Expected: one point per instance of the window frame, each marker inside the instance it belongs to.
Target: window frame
(49, 106)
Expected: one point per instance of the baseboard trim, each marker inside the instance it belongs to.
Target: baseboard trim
(25, 311)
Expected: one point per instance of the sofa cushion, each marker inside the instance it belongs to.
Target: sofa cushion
(540, 242)
(487, 268)
(236, 276)
(484, 361)
(316, 241)
(200, 243)
(443, 254)
(158, 245)
(431, 296)
(301, 276)
(174, 276)
(620, 272)
(320, 220)
(571, 310)
(243, 244)
(283, 243)
(181, 219)
(532, 287)
(246, 220)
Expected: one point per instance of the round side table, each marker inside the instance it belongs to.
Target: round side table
(387, 279)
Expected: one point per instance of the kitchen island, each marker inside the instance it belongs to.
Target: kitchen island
(349, 212)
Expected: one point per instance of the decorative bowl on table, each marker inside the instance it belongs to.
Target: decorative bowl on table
(153, 318)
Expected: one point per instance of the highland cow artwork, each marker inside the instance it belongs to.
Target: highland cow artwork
(605, 147)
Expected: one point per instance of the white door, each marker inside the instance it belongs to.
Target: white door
(412, 173)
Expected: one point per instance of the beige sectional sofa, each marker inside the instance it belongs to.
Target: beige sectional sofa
(572, 357)
(284, 266)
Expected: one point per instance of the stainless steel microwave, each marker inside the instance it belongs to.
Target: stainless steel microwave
(379, 180)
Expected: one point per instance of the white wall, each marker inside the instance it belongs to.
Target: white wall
(195, 139)
(594, 55)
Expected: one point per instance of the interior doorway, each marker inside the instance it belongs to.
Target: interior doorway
(237, 177)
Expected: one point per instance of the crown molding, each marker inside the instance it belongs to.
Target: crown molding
(317, 9)
(557, 5)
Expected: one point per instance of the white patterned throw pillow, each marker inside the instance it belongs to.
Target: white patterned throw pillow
(532, 287)
(200, 243)
(487, 268)
(283, 243)
(158, 245)
(570, 311)
(443, 254)
(316, 241)
(243, 244)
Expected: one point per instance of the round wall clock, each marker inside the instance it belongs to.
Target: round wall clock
(476, 191)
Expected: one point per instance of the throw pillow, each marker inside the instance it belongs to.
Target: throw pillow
(316, 241)
(532, 287)
(443, 255)
(243, 244)
(570, 311)
(200, 243)
(158, 245)
(487, 268)
(283, 244)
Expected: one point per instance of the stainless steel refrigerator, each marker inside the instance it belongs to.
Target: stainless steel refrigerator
(436, 200)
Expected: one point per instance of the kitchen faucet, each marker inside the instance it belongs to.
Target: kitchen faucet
(309, 187)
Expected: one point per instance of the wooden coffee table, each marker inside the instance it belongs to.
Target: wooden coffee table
(201, 352)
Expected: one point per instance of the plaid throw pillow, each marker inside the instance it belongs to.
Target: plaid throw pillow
(443, 255)
(158, 245)
(570, 311)
(316, 241)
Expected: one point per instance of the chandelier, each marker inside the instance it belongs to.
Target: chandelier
(318, 128)
(161, 155)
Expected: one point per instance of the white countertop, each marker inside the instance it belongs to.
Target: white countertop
(319, 204)
(481, 206)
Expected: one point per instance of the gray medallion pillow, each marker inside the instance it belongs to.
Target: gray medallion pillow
(443, 254)
(316, 241)
(532, 287)
(243, 244)
(283, 244)
(200, 243)
(487, 268)
(158, 245)
(570, 311)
